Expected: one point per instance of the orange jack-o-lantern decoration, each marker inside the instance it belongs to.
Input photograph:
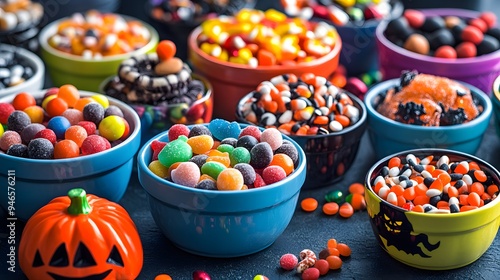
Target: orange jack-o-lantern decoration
(80, 236)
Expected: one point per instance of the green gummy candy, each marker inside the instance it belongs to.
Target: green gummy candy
(212, 168)
(175, 151)
(239, 155)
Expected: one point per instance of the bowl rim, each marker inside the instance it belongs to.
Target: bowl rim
(379, 34)
(83, 93)
(50, 29)
(430, 151)
(33, 60)
(496, 88)
(194, 48)
(377, 89)
(142, 166)
(361, 122)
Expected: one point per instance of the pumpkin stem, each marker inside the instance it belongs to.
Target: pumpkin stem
(79, 203)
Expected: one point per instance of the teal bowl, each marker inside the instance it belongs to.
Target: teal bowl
(388, 136)
(85, 74)
(220, 224)
(106, 174)
(495, 99)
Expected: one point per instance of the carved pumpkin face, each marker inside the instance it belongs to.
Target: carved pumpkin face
(80, 237)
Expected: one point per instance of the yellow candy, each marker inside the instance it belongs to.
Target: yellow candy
(245, 54)
(101, 99)
(238, 60)
(35, 113)
(346, 3)
(159, 169)
(2, 130)
(275, 15)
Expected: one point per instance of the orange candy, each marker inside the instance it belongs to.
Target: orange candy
(80, 103)
(66, 149)
(330, 208)
(334, 262)
(346, 210)
(23, 100)
(284, 161)
(56, 107)
(70, 94)
(166, 49)
(76, 133)
(163, 277)
(309, 204)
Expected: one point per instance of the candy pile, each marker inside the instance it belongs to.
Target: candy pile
(223, 156)
(445, 36)
(340, 12)
(258, 38)
(311, 266)
(305, 105)
(428, 100)
(19, 14)
(434, 184)
(14, 69)
(61, 125)
(94, 35)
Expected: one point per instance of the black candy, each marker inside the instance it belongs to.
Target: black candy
(494, 32)
(247, 142)
(93, 112)
(247, 171)
(17, 121)
(40, 148)
(18, 150)
(399, 28)
(440, 38)
(230, 141)
(199, 160)
(288, 149)
(206, 184)
(199, 130)
(488, 45)
(261, 155)
(113, 110)
(432, 24)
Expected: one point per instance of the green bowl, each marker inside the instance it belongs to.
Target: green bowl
(85, 74)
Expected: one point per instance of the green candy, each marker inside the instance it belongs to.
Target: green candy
(334, 196)
(175, 151)
(212, 168)
(239, 155)
(225, 148)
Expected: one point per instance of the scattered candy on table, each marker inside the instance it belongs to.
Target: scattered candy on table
(53, 135)
(257, 38)
(16, 14)
(94, 35)
(305, 105)
(434, 184)
(445, 36)
(223, 156)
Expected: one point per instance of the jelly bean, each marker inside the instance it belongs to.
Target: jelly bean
(93, 112)
(334, 262)
(322, 266)
(35, 113)
(330, 208)
(166, 49)
(344, 249)
(200, 275)
(163, 277)
(288, 261)
(48, 134)
(94, 144)
(230, 179)
(311, 273)
(212, 168)
(176, 130)
(17, 121)
(186, 174)
(335, 196)
(23, 100)
(5, 110)
(29, 132)
(66, 149)
(40, 148)
(346, 210)
(309, 204)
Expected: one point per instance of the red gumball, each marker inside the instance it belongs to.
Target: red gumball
(166, 49)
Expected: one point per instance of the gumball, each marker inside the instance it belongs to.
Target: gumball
(35, 113)
(112, 127)
(101, 99)
(56, 107)
(66, 149)
(23, 100)
(59, 125)
(94, 144)
(5, 110)
(69, 93)
(76, 133)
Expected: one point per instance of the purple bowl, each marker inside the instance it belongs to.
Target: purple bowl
(478, 71)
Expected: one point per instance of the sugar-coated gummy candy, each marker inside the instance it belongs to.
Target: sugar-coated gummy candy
(261, 155)
(18, 120)
(113, 110)
(40, 148)
(229, 141)
(94, 144)
(260, 277)
(258, 182)
(158, 169)
(175, 151)
(200, 144)
(222, 129)
(199, 130)
(212, 168)
(206, 184)
(157, 146)
(247, 172)
(112, 127)
(89, 126)
(230, 179)
(9, 138)
(273, 173)
(59, 124)
(74, 116)
(284, 161)
(176, 130)
(239, 155)
(247, 141)
(273, 137)
(225, 148)
(18, 150)
(199, 160)
(251, 130)
(66, 148)
(290, 150)
(288, 261)
(186, 174)
(76, 133)
(30, 131)
(48, 134)
(5, 110)
(93, 112)
(35, 113)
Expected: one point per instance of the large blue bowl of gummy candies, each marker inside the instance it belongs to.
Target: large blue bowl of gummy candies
(209, 218)
(106, 173)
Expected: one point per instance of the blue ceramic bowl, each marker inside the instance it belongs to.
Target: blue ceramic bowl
(104, 174)
(495, 99)
(220, 223)
(388, 136)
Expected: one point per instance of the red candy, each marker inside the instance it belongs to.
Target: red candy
(252, 131)
(311, 273)
(479, 23)
(94, 144)
(489, 18)
(288, 261)
(472, 34)
(89, 126)
(446, 52)
(466, 49)
(177, 130)
(48, 134)
(415, 18)
(5, 110)
(156, 146)
(273, 174)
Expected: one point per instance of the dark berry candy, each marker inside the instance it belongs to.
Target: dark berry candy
(457, 31)
(495, 32)
(247, 141)
(441, 37)
(247, 171)
(18, 150)
(288, 149)
(488, 45)
(199, 130)
(399, 28)
(261, 155)
(229, 141)
(93, 112)
(206, 184)
(113, 110)
(40, 148)
(17, 121)
(433, 23)
(199, 160)
(30, 131)
(452, 117)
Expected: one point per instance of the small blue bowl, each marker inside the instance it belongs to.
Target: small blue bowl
(221, 224)
(388, 136)
(105, 174)
(495, 99)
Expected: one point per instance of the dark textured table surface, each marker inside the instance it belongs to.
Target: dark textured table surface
(306, 230)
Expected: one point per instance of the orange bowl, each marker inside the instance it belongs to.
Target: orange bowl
(231, 81)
